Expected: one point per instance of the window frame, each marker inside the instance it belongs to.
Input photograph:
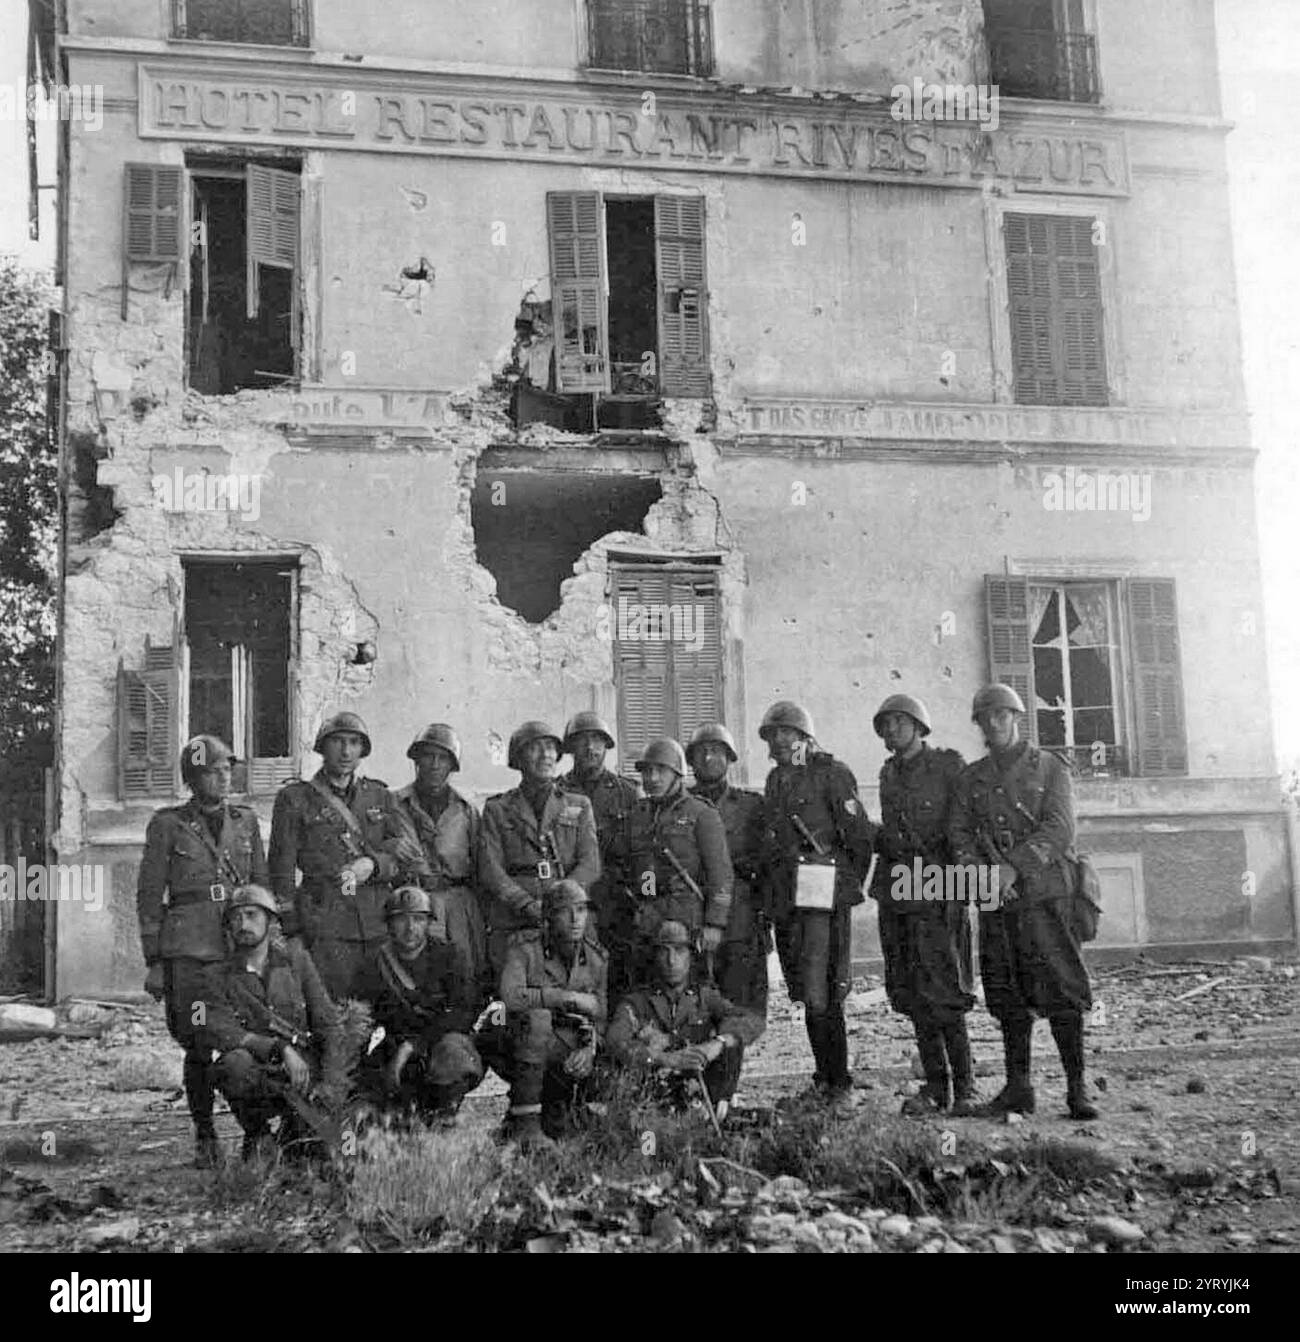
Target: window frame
(586, 26)
(1109, 265)
(1062, 26)
(301, 17)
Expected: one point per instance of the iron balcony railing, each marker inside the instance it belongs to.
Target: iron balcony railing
(281, 23)
(663, 36)
(1043, 63)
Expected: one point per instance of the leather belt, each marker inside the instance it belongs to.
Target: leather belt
(541, 870)
(212, 894)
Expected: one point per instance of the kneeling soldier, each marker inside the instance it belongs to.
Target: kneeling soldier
(554, 989)
(272, 1023)
(675, 1030)
(423, 995)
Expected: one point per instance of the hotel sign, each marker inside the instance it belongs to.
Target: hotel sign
(501, 119)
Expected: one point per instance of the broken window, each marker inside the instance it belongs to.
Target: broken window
(1060, 646)
(666, 623)
(238, 658)
(531, 527)
(280, 23)
(243, 296)
(664, 36)
(1058, 347)
(1041, 49)
(628, 307)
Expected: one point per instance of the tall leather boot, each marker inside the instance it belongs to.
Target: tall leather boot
(816, 1027)
(1067, 1030)
(957, 1042)
(200, 1092)
(1017, 1096)
(933, 1096)
(523, 1124)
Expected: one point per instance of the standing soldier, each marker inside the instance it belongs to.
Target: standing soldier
(613, 799)
(195, 855)
(680, 870)
(1015, 809)
(742, 957)
(350, 839)
(817, 851)
(447, 826)
(532, 836)
(926, 943)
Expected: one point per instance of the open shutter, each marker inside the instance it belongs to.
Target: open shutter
(642, 667)
(1157, 677)
(151, 218)
(683, 299)
(578, 291)
(148, 735)
(1006, 605)
(272, 221)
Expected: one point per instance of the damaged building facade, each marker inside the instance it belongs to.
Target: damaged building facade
(482, 363)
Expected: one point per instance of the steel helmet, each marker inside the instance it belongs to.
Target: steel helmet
(903, 703)
(204, 752)
(530, 731)
(995, 696)
(253, 897)
(663, 750)
(786, 713)
(343, 722)
(672, 933)
(436, 734)
(587, 722)
(408, 899)
(713, 731)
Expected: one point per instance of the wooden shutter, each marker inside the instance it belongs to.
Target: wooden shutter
(1157, 677)
(1011, 661)
(272, 223)
(683, 299)
(148, 734)
(697, 670)
(578, 291)
(641, 669)
(1054, 301)
(151, 218)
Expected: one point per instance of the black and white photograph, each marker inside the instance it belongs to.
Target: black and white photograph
(651, 627)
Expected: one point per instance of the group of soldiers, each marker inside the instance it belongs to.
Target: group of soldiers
(504, 940)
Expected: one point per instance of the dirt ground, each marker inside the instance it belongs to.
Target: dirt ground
(1196, 1068)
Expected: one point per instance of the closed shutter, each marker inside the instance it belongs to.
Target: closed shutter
(272, 222)
(696, 654)
(1006, 605)
(1054, 301)
(683, 299)
(641, 666)
(578, 291)
(151, 218)
(1157, 677)
(148, 733)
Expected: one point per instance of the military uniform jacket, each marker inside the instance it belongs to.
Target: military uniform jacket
(824, 794)
(287, 985)
(534, 979)
(915, 804)
(692, 830)
(613, 799)
(518, 854)
(742, 819)
(308, 834)
(186, 876)
(422, 999)
(450, 842)
(693, 1016)
(1024, 804)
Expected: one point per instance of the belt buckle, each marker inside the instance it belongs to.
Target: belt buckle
(543, 871)
(217, 892)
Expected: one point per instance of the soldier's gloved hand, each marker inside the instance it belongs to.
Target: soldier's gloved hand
(585, 1004)
(153, 981)
(362, 869)
(579, 1063)
(701, 1055)
(711, 938)
(1007, 883)
(296, 1066)
(393, 1072)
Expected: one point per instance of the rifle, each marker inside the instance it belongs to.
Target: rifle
(279, 1028)
(999, 856)
(814, 843)
(691, 885)
(708, 1105)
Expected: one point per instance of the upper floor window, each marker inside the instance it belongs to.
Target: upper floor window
(662, 36)
(279, 23)
(1040, 49)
